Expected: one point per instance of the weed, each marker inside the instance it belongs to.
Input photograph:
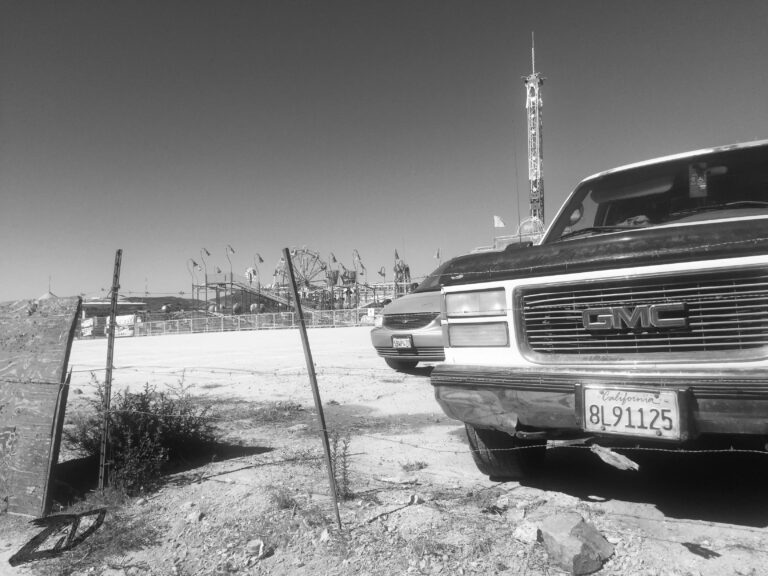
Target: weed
(413, 466)
(426, 546)
(282, 498)
(310, 457)
(146, 430)
(279, 411)
(340, 462)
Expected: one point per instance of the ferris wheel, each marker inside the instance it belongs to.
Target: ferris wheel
(309, 269)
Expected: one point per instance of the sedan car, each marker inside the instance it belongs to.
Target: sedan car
(410, 330)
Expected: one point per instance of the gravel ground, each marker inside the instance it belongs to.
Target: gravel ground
(417, 505)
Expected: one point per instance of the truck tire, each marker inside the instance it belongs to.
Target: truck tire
(493, 457)
(401, 364)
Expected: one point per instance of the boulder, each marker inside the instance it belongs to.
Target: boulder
(573, 544)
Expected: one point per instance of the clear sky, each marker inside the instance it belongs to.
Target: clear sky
(161, 127)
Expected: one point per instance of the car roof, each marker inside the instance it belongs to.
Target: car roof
(681, 156)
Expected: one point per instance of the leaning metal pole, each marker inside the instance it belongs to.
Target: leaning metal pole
(313, 383)
(108, 376)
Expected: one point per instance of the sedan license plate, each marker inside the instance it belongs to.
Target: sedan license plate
(646, 413)
(401, 342)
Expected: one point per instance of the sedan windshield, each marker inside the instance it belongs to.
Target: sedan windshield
(722, 184)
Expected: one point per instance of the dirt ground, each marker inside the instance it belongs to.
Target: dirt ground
(417, 505)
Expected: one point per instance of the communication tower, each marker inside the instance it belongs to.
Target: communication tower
(533, 107)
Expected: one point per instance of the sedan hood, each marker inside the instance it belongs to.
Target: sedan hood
(415, 303)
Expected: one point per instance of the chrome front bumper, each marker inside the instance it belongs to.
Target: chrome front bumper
(732, 403)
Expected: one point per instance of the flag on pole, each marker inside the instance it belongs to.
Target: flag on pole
(437, 254)
(397, 257)
(333, 257)
(261, 260)
(498, 222)
(382, 272)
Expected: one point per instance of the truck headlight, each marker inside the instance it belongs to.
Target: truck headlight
(476, 303)
(378, 320)
(476, 335)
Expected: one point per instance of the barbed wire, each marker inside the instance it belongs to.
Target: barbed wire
(552, 445)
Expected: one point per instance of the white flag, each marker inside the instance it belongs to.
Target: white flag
(498, 222)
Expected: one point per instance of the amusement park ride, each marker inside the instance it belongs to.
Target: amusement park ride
(323, 284)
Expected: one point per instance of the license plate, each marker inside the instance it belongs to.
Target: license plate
(646, 413)
(401, 342)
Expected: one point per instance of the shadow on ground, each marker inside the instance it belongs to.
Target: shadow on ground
(419, 370)
(715, 487)
(75, 478)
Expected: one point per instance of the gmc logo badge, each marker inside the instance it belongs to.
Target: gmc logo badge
(644, 317)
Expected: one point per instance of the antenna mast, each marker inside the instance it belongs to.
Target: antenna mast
(533, 107)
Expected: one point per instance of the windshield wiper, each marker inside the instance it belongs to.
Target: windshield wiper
(596, 230)
(716, 207)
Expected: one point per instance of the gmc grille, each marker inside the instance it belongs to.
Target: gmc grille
(408, 321)
(727, 312)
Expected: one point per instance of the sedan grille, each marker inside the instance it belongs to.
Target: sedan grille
(408, 321)
(725, 313)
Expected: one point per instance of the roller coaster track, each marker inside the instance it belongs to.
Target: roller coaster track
(268, 294)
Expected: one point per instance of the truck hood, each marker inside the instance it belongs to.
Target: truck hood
(415, 303)
(641, 247)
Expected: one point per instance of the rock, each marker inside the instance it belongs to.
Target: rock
(194, 516)
(415, 499)
(526, 532)
(573, 544)
(297, 428)
(255, 547)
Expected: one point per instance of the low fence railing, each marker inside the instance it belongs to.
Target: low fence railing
(264, 321)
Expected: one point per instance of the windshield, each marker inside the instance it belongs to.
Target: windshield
(432, 281)
(716, 185)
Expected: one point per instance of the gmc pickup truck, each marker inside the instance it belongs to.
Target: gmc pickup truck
(641, 318)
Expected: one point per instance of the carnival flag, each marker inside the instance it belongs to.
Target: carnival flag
(382, 272)
(437, 254)
(397, 257)
(498, 222)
